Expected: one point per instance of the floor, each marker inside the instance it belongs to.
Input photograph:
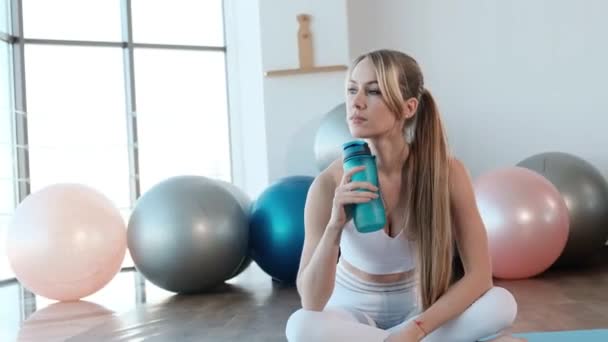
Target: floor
(251, 307)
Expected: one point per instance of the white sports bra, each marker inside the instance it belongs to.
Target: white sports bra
(376, 252)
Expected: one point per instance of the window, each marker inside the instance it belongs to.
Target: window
(7, 194)
(182, 121)
(185, 22)
(76, 118)
(96, 20)
(4, 22)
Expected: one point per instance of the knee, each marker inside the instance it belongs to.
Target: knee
(504, 304)
(490, 314)
(299, 324)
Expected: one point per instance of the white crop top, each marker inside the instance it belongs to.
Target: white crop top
(376, 252)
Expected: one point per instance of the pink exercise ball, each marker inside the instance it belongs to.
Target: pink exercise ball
(66, 241)
(526, 220)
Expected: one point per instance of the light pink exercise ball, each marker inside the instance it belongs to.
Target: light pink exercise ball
(526, 220)
(66, 241)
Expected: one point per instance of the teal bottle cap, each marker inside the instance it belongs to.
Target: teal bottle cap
(355, 148)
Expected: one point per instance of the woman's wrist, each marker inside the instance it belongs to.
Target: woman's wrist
(334, 232)
(420, 330)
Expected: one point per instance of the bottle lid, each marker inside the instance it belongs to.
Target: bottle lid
(355, 148)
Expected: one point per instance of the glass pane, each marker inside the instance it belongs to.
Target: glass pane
(101, 167)
(5, 269)
(4, 19)
(76, 124)
(7, 200)
(72, 19)
(182, 114)
(5, 95)
(10, 319)
(188, 22)
(6, 161)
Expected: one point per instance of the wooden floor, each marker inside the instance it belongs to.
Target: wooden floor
(562, 300)
(253, 308)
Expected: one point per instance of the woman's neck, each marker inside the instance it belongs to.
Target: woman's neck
(391, 154)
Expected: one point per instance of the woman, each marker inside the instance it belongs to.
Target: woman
(397, 284)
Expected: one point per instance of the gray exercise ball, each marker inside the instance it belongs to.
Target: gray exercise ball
(245, 202)
(188, 234)
(585, 192)
(241, 197)
(331, 134)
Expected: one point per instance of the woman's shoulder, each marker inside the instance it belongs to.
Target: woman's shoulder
(327, 181)
(457, 168)
(324, 186)
(455, 164)
(459, 176)
(330, 177)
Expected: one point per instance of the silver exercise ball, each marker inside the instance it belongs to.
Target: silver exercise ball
(244, 200)
(331, 134)
(245, 203)
(585, 192)
(188, 234)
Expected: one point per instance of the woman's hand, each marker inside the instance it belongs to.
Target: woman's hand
(410, 333)
(346, 193)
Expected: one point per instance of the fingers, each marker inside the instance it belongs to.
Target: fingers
(347, 176)
(351, 197)
(354, 199)
(360, 185)
(350, 192)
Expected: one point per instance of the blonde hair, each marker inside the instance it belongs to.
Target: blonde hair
(400, 78)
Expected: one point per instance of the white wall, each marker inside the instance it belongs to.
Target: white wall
(512, 78)
(274, 119)
(295, 104)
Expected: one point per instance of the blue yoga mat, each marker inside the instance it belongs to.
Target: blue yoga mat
(598, 335)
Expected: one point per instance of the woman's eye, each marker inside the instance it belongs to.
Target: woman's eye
(352, 90)
(374, 92)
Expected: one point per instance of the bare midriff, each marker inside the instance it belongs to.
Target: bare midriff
(377, 278)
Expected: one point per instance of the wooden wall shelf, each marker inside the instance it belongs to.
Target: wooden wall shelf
(305, 53)
(299, 71)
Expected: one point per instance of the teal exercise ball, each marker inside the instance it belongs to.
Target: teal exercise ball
(277, 227)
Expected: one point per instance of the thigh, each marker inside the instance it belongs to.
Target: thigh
(492, 312)
(332, 324)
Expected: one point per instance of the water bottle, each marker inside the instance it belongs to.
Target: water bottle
(369, 216)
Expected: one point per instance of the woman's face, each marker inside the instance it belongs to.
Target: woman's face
(366, 112)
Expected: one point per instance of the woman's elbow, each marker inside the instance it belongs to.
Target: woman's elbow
(482, 280)
(311, 306)
(486, 282)
(312, 299)
(309, 302)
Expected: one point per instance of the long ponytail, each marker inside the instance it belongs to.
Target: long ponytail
(431, 202)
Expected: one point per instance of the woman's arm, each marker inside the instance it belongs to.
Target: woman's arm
(472, 243)
(317, 271)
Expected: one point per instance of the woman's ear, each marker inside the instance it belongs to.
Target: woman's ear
(410, 107)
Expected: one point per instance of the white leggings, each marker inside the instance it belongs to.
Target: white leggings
(363, 311)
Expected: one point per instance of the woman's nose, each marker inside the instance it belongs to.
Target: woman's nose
(359, 100)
